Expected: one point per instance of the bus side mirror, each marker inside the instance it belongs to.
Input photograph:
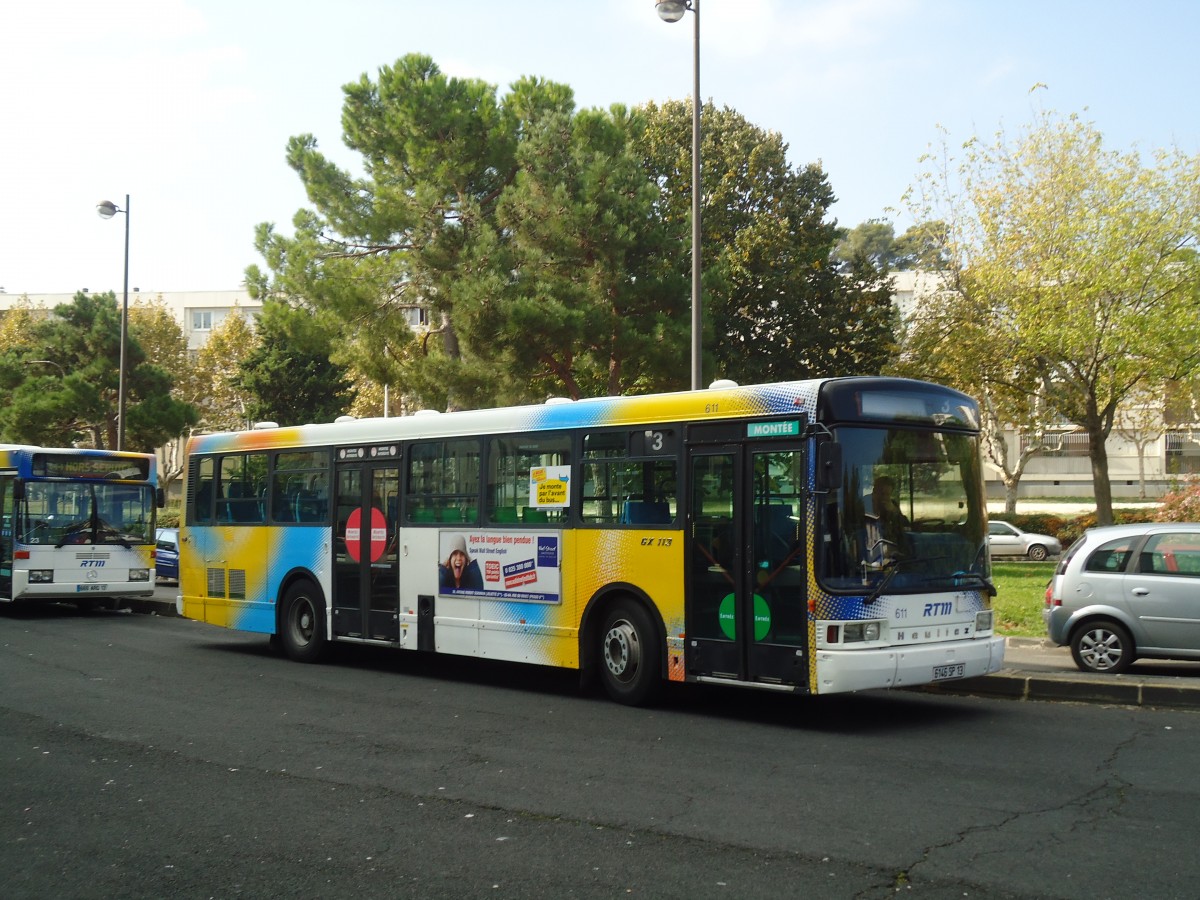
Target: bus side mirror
(18, 489)
(829, 466)
(160, 497)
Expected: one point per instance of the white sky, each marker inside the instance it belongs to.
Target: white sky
(187, 105)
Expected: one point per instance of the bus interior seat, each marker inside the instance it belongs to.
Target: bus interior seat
(534, 515)
(240, 502)
(308, 506)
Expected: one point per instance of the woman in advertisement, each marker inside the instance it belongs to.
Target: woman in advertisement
(458, 571)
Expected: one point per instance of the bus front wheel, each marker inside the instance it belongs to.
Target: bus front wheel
(629, 654)
(302, 624)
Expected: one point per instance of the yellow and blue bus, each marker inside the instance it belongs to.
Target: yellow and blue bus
(78, 525)
(735, 535)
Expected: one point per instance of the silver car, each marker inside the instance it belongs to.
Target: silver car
(1125, 592)
(1009, 540)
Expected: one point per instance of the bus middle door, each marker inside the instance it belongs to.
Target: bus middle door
(366, 585)
(747, 616)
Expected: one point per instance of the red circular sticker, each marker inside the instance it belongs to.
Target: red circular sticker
(376, 538)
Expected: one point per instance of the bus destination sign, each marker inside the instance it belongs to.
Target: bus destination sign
(790, 428)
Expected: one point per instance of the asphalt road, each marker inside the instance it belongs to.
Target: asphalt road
(148, 756)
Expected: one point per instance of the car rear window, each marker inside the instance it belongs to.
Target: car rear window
(1110, 557)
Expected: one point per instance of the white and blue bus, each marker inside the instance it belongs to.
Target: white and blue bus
(78, 525)
(734, 535)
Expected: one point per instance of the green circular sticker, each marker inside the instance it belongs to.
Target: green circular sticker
(762, 617)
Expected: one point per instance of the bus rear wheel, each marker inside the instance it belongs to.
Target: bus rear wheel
(629, 654)
(302, 623)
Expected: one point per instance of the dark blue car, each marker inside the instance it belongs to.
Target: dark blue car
(166, 558)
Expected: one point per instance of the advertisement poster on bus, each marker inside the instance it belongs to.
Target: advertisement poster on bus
(522, 566)
(548, 487)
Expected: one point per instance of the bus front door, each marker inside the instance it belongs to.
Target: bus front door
(8, 531)
(366, 584)
(747, 604)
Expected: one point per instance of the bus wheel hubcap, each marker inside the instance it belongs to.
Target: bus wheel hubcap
(621, 650)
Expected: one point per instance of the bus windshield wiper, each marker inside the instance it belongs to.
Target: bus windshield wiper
(974, 579)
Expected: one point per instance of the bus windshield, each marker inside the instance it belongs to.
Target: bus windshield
(72, 512)
(909, 514)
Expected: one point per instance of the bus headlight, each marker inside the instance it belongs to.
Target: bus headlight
(139, 574)
(860, 631)
(41, 576)
(984, 620)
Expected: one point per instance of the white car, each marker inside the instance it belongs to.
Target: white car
(1005, 539)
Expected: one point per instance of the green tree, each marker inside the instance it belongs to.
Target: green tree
(922, 246)
(548, 246)
(16, 324)
(73, 397)
(775, 305)
(525, 231)
(288, 375)
(577, 298)
(213, 379)
(950, 338)
(1082, 262)
(438, 152)
(159, 335)
(874, 240)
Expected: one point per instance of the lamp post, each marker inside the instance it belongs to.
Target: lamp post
(672, 11)
(107, 209)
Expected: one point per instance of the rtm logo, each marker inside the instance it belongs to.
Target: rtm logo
(938, 609)
(92, 563)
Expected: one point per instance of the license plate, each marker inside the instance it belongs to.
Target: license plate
(956, 670)
(81, 588)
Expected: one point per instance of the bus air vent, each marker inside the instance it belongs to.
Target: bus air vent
(216, 582)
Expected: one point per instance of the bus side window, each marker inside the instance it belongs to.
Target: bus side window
(201, 487)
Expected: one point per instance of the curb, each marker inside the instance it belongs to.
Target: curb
(1117, 690)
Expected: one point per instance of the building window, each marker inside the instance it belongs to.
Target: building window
(202, 320)
(1057, 443)
(1183, 453)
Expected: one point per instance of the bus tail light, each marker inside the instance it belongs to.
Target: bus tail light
(41, 576)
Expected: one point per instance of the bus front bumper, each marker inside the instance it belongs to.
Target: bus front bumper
(839, 671)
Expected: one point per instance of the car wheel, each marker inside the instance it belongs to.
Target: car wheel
(1103, 647)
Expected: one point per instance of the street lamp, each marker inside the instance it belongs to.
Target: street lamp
(672, 11)
(107, 209)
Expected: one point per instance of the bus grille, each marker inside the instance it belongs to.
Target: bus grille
(216, 582)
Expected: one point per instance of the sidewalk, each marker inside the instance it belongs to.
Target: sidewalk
(1035, 669)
